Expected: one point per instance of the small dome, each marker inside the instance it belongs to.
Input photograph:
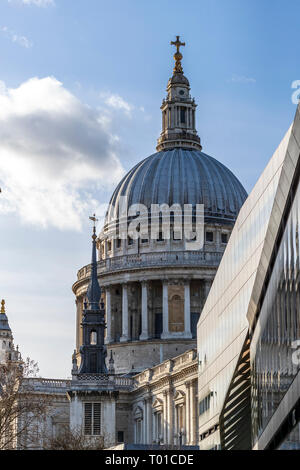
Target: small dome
(181, 176)
(178, 79)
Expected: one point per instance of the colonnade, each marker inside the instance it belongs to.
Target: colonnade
(170, 419)
(145, 334)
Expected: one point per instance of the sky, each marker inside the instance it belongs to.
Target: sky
(81, 84)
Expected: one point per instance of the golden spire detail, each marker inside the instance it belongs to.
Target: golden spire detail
(3, 306)
(177, 55)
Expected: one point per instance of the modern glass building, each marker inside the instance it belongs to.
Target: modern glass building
(249, 330)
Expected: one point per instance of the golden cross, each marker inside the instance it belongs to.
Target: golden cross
(2, 306)
(177, 43)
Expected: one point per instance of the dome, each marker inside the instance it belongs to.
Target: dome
(178, 79)
(181, 176)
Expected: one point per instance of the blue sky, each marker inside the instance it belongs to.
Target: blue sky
(81, 83)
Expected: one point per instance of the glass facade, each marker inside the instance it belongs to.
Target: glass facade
(292, 441)
(223, 324)
(273, 344)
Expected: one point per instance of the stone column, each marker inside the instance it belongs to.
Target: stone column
(193, 413)
(149, 435)
(145, 333)
(165, 302)
(145, 422)
(187, 310)
(124, 336)
(108, 338)
(207, 286)
(79, 308)
(165, 417)
(171, 418)
(187, 413)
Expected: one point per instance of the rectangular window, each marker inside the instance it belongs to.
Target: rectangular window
(209, 236)
(224, 238)
(120, 436)
(92, 419)
(182, 115)
(119, 242)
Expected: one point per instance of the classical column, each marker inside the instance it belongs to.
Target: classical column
(171, 418)
(187, 413)
(149, 421)
(207, 286)
(144, 334)
(79, 304)
(124, 336)
(145, 423)
(187, 310)
(108, 338)
(193, 413)
(165, 418)
(165, 302)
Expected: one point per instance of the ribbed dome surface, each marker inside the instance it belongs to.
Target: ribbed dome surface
(181, 176)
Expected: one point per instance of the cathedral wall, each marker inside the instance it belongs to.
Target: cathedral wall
(144, 354)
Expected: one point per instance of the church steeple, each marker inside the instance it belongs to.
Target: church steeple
(178, 110)
(93, 350)
(94, 291)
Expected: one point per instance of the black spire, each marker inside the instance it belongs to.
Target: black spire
(94, 291)
(93, 350)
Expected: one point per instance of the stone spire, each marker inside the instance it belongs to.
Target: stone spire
(93, 351)
(178, 110)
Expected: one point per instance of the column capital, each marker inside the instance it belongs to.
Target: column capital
(188, 383)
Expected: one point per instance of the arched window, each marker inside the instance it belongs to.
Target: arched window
(93, 338)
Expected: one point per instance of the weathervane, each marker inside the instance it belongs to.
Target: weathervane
(95, 220)
(177, 55)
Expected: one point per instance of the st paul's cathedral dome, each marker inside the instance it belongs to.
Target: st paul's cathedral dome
(154, 288)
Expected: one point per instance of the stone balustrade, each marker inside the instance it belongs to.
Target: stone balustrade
(179, 258)
(37, 384)
(104, 380)
(168, 367)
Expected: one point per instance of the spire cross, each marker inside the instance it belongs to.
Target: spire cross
(95, 220)
(177, 43)
(2, 306)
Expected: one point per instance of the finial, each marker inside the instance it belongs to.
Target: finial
(111, 368)
(94, 290)
(177, 55)
(3, 306)
(95, 220)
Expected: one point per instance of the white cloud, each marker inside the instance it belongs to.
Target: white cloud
(242, 79)
(38, 3)
(117, 102)
(54, 151)
(18, 39)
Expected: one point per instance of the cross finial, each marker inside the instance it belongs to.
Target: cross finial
(2, 306)
(177, 43)
(177, 55)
